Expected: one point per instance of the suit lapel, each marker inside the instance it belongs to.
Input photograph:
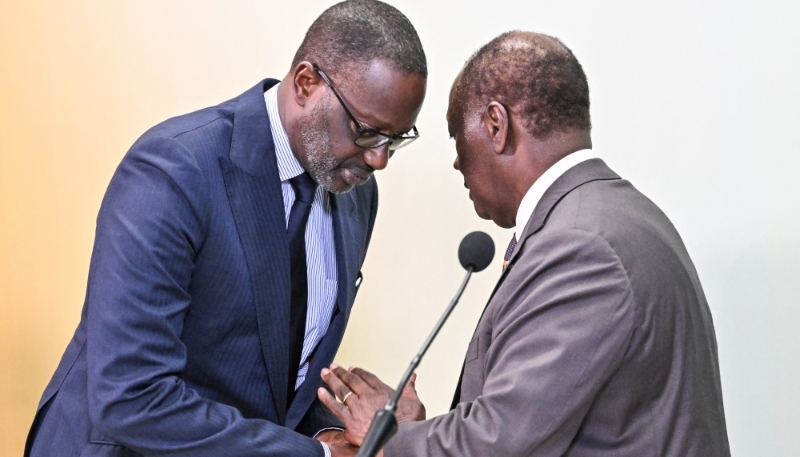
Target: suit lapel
(346, 239)
(347, 235)
(580, 174)
(254, 191)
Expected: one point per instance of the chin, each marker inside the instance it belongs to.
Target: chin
(339, 188)
(504, 224)
(337, 185)
(497, 219)
(499, 222)
(480, 212)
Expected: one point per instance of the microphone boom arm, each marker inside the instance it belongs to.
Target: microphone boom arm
(418, 358)
(384, 425)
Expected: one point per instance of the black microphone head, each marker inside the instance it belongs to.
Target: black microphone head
(476, 249)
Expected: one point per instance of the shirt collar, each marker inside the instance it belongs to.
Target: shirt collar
(288, 165)
(534, 194)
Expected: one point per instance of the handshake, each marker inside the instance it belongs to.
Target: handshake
(359, 394)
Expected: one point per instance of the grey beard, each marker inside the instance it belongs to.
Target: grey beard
(318, 147)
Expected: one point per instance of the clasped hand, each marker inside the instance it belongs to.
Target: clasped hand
(362, 394)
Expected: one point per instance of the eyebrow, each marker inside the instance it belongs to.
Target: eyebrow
(383, 130)
(370, 121)
(450, 130)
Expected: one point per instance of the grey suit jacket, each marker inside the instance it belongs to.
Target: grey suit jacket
(597, 341)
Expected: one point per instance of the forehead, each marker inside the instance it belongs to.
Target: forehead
(455, 116)
(452, 104)
(383, 97)
(452, 124)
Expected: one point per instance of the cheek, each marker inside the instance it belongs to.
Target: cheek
(468, 167)
(340, 146)
(348, 155)
(461, 163)
(342, 138)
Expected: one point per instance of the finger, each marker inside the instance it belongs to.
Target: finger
(338, 409)
(412, 382)
(352, 381)
(340, 389)
(410, 389)
(369, 378)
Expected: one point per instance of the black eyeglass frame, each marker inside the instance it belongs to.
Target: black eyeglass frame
(365, 134)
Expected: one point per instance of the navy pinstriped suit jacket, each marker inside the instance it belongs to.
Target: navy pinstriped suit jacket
(182, 348)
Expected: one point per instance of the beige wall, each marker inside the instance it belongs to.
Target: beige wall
(694, 101)
(80, 81)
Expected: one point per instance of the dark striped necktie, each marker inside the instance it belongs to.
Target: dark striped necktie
(304, 190)
(510, 250)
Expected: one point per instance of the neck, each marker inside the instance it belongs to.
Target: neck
(538, 155)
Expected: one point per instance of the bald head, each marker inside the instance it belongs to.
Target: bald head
(535, 76)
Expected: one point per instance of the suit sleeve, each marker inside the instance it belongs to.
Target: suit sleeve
(558, 328)
(150, 228)
(318, 418)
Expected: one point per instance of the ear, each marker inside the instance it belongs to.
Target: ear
(497, 125)
(305, 82)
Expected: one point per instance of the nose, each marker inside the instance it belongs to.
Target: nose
(455, 164)
(377, 158)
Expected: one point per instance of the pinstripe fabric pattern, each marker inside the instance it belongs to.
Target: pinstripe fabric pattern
(320, 252)
(189, 295)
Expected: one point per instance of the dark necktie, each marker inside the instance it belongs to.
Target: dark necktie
(510, 250)
(304, 190)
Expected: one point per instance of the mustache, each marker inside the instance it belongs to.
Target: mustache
(358, 167)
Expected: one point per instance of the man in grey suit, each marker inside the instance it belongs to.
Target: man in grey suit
(597, 340)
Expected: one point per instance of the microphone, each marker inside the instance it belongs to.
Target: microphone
(475, 254)
(477, 250)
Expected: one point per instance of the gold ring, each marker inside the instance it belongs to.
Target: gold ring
(344, 399)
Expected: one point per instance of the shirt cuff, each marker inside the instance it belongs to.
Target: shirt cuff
(326, 449)
(326, 429)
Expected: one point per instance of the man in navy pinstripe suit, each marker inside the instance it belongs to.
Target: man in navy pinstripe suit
(184, 343)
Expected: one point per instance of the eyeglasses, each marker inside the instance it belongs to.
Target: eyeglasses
(367, 137)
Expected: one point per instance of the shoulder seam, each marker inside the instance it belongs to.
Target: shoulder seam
(175, 136)
(195, 210)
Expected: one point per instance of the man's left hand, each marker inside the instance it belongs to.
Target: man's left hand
(338, 446)
(363, 394)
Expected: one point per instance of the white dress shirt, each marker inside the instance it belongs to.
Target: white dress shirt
(320, 250)
(534, 194)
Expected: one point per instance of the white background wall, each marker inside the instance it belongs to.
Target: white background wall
(695, 102)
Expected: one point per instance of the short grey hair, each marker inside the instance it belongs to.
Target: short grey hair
(353, 33)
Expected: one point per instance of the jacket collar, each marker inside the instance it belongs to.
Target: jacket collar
(580, 174)
(254, 190)
(252, 147)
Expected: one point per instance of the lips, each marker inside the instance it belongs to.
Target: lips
(356, 177)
